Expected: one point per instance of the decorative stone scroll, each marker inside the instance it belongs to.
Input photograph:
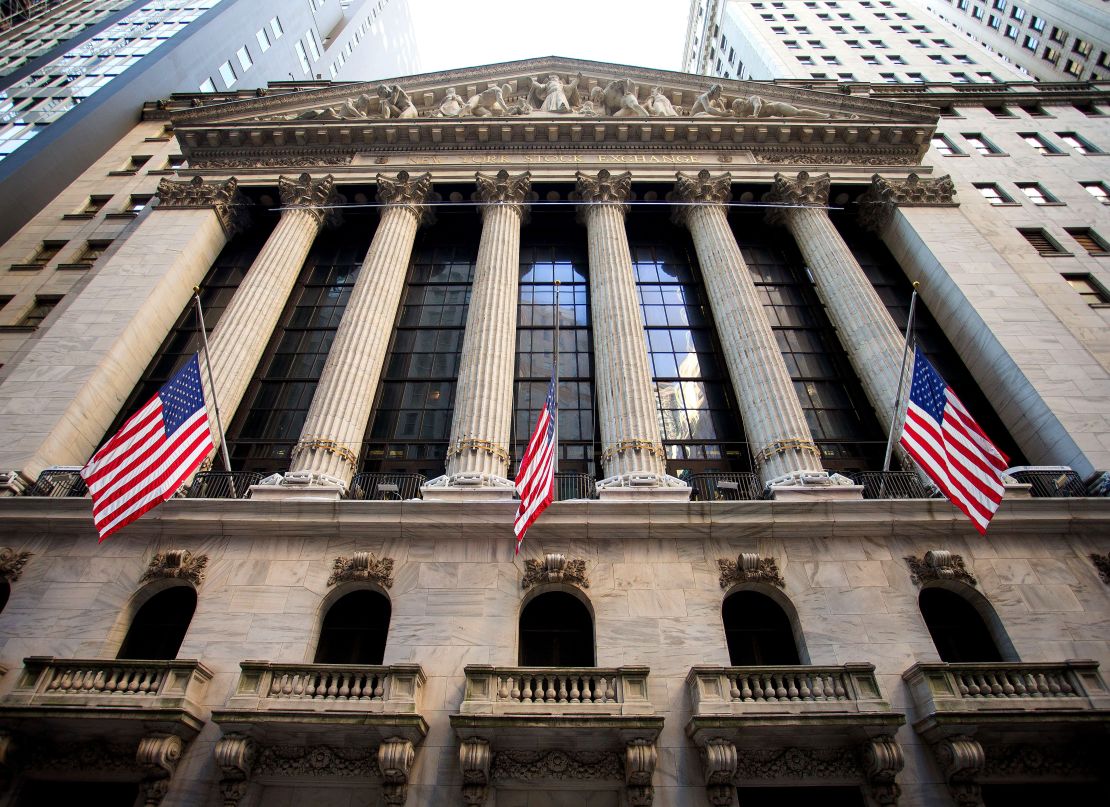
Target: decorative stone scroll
(704, 189)
(555, 568)
(317, 197)
(407, 193)
(504, 189)
(222, 197)
(362, 567)
(178, 564)
(474, 760)
(882, 761)
(962, 760)
(605, 188)
(804, 191)
(1102, 564)
(750, 568)
(235, 757)
(158, 756)
(939, 564)
(640, 758)
(395, 758)
(876, 205)
(12, 563)
(719, 766)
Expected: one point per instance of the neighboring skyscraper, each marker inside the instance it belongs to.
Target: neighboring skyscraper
(65, 107)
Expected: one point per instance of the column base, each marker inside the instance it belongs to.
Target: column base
(468, 487)
(302, 486)
(1017, 490)
(643, 487)
(814, 485)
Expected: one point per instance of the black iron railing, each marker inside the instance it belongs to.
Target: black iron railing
(386, 486)
(222, 485)
(572, 485)
(1052, 483)
(59, 483)
(891, 485)
(725, 486)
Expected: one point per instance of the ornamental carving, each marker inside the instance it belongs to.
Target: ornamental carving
(406, 192)
(797, 763)
(797, 156)
(316, 761)
(939, 564)
(222, 197)
(962, 760)
(179, 564)
(703, 189)
(1024, 761)
(158, 756)
(1102, 563)
(719, 761)
(293, 160)
(504, 189)
(317, 197)
(363, 567)
(605, 188)
(101, 757)
(750, 568)
(559, 765)
(395, 758)
(555, 568)
(805, 191)
(640, 758)
(876, 206)
(882, 761)
(474, 760)
(12, 563)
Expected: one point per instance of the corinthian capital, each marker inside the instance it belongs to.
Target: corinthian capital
(504, 189)
(876, 205)
(605, 188)
(702, 189)
(805, 191)
(406, 192)
(222, 197)
(316, 196)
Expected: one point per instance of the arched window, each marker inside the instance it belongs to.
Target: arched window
(159, 626)
(355, 629)
(957, 628)
(556, 630)
(758, 631)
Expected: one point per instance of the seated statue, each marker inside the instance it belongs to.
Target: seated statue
(617, 99)
(756, 107)
(490, 101)
(709, 103)
(352, 109)
(395, 102)
(452, 106)
(659, 105)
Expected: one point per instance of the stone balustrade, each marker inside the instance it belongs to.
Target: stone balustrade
(556, 690)
(794, 688)
(941, 688)
(271, 686)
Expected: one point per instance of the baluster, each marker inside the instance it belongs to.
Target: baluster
(549, 693)
(984, 685)
(345, 687)
(562, 689)
(286, 684)
(575, 692)
(67, 680)
(733, 689)
(1053, 683)
(838, 687)
(805, 692)
(358, 683)
(763, 689)
(300, 683)
(611, 691)
(1031, 688)
(142, 677)
(1007, 686)
(132, 681)
(603, 689)
(379, 687)
(780, 689)
(1065, 685)
(996, 686)
(333, 687)
(110, 684)
(515, 692)
(962, 682)
(502, 687)
(1042, 684)
(79, 680)
(526, 693)
(98, 682)
(792, 687)
(746, 688)
(589, 691)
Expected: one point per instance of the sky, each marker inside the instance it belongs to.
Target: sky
(465, 33)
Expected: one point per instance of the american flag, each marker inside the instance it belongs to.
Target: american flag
(148, 459)
(535, 481)
(950, 447)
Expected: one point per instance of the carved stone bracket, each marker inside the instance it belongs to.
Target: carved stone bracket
(158, 755)
(395, 758)
(316, 196)
(750, 568)
(605, 188)
(235, 756)
(939, 564)
(962, 759)
(176, 564)
(12, 563)
(876, 205)
(223, 197)
(702, 189)
(555, 568)
(408, 193)
(640, 758)
(805, 191)
(882, 761)
(719, 764)
(1102, 563)
(505, 189)
(363, 567)
(474, 760)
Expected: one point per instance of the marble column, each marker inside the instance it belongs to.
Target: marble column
(632, 445)
(780, 439)
(240, 338)
(478, 456)
(63, 393)
(326, 455)
(868, 334)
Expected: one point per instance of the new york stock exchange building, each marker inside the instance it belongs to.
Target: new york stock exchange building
(730, 603)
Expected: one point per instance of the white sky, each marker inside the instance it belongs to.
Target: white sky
(465, 33)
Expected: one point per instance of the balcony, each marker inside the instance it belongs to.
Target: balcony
(725, 486)
(557, 723)
(891, 485)
(386, 487)
(357, 722)
(830, 723)
(222, 485)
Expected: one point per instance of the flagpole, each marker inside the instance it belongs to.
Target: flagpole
(555, 375)
(901, 384)
(212, 383)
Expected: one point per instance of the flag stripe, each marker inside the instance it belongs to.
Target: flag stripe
(535, 479)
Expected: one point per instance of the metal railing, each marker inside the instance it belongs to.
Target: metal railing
(222, 484)
(386, 486)
(1051, 483)
(891, 485)
(573, 485)
(59, 483)
(731, 486)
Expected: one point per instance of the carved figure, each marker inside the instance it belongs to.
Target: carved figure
(452, 105)
(756, 107)
(709, 103)
(553, 95)
(490, 101)
(395, 102)
(618, 99)
(659, 105)
(357, 108)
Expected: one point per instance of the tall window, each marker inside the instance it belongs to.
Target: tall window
(355, 629)
(958, 631)
(758, 631)
(556, 630)
(160, 624)
(411, 426)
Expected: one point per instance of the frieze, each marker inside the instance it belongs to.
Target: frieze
(555, 568)
(1025, 761)
(101, 757)
(939, 564)
(797, 763)
(291, 160)
(1102, 564)
(559, 765)
(316, 761)
(845, 157)
(180, 564)
(750, 568)
(12, 563)
(362, 567)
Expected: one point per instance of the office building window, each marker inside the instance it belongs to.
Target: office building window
(1037, 24)
(1089, 289)
(355, 629)
(1039, 143)
(137, 202)
(944, 146)
(960, 78)
(1036, 193)
(208, 85)
(1082, 47)
(263, 39)
(302, 57)
(958, 631)
(1041, 241)
(1089, 240)
(1034, 110)
(159, 625)
(758, 631)
(313, 47)
(1099, 190)
(92, 251)
(896, 60)
(227, 73)
(1079, 143)
(46, 252)
(981, 144)
(938, 59)
(993, 194)
(1011, 32)
(1073, 68)
(1031, 43)
(95, 204)
(275, 28)
(244, 57)
(44, 304)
